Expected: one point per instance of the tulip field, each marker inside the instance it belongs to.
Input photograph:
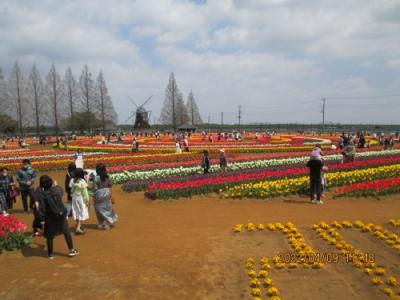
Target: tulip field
(246, 232)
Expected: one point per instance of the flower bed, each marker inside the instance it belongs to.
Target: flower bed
(374, 188)
(282, 187)
(216, 179)
(13, 234)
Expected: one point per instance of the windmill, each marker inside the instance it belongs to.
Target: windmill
(142, 116)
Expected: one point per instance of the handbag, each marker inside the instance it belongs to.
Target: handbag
(14, 192)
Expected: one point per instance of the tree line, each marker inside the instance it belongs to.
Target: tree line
(57, 103)
(174, 112)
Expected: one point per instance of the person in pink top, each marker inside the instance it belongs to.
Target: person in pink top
(317, 153)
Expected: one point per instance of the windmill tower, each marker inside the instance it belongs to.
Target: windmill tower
(142, 116)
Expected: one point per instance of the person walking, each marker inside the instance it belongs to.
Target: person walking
(80, 200)
(68, 177)
(134, 143)
(103, 201)
(178, 147)
(6, 183)
(205, 162)
(350, 152)
(26, 179)
(186, 144)
(223, 163)
(54, 214)
(315, 166)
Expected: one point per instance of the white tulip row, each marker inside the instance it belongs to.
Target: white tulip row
(254, 164)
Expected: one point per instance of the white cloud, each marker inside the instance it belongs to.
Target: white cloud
(256, 53)
(393, 63)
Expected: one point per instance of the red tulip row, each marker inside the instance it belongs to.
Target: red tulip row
(373, 188)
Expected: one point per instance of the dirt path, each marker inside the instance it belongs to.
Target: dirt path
(186, 250)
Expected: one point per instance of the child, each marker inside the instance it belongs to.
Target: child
(317, 152)
(324, 182)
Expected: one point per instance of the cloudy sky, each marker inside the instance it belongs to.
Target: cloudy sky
(275, 58)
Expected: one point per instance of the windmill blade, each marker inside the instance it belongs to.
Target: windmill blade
(132, 115)
(130, 99)
(148, 99)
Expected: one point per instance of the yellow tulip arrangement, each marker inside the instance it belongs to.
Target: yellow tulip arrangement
(395, 223)
(260, 226)
(368, 271)
(254, 283)
(273, 291)
(392, 281)
(268, 282)
(388, 237)
(238, 228)
(330, 233)
(380, 271)
(376, 281)
(296, 241)
(356, 256)
(388, 291)
(256, 292)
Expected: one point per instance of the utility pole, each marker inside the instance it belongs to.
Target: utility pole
(222, 119)
(209, 120)
(240, 114)
(323, 113)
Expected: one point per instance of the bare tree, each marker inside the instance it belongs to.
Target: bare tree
(35, 96)
(3, 94)
(16, 93)
(87, 96)
(182, 115)
(71, 93)
(193, 110)
(174, 112)
(106, 107)
(55, 90)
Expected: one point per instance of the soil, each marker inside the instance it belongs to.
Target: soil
(186, 249)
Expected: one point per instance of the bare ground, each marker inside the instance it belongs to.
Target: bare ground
(185, 249)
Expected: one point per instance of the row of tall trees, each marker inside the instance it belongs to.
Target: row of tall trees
(58, 103)
(174, 112)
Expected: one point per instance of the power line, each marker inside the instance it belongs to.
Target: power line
(363, 97)
(280, 106)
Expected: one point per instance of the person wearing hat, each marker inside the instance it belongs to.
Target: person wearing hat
(223, 163)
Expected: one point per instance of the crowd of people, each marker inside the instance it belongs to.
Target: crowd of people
(50, 213)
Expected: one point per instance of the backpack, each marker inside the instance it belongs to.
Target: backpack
(56, 207)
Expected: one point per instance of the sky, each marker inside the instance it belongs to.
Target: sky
(275, 58)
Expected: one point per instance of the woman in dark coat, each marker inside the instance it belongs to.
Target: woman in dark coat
(54, 214)
(205, 163)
